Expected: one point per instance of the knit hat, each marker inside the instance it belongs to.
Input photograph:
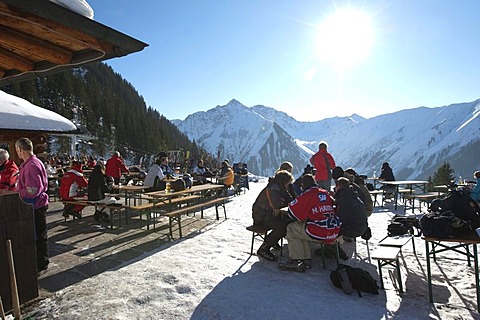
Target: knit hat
(309, 169)
(337, 173)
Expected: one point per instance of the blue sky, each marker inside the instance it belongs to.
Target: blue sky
(204, 53)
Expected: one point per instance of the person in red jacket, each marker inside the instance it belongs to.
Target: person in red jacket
(115, 166)
(71, 182)
(324, 163)
(8, 171)
(314, 219)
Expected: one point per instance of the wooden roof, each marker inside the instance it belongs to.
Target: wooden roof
(39, 37)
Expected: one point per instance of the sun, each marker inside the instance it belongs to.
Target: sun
(345, 38)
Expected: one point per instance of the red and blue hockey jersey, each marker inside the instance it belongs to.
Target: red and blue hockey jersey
(316, 207)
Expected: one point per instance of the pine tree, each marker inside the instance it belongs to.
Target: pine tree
(443, 176)
(109, 108)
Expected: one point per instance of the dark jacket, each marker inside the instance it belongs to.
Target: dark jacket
(98, 185)
(387, 173)
(273, 196)
(351, 212)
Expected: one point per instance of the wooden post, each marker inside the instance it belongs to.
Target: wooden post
(13, 282)
(2, 314)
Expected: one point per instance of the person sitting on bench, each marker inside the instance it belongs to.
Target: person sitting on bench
(70, 186)
(266, 212)
(99, 184)
(314, 219)
(350, 210)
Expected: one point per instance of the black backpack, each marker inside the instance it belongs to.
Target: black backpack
(360, 279)
(462, 206)
(401, 225)
(443, 225)
(178, 185)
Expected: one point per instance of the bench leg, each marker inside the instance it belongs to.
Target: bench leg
(225, 212)
(380, 273)
(170, 229)
(399, 273)
(368, 252)
(180, 225)
(253, 240)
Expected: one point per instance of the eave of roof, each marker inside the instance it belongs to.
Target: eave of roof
(66, 38)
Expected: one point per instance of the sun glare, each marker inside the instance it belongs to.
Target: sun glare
(345, 38)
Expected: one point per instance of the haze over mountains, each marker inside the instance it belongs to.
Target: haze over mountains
(414, 141)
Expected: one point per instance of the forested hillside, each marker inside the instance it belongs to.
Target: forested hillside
(108, 107)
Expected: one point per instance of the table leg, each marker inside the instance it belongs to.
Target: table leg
(468, 255)
(429, 273)
(475, 259)
(399, 273)
(396, 195)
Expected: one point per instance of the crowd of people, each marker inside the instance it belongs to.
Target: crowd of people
(302, 209)
(308, 208)
(30, 180)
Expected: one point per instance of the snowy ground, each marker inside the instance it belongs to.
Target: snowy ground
(210, 275)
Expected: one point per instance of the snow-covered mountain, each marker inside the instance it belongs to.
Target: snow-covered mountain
(415, 141)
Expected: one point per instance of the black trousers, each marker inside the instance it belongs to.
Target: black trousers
(41, 236)
(278, 224)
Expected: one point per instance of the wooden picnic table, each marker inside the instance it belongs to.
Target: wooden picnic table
(164, 200)
(442, 245)
(409, 184)
(135, 191)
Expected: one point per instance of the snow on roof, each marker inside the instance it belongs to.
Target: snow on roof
(78, 6)
(17, 113)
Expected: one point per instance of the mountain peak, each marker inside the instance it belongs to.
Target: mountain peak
(415, 141)
(234, 102)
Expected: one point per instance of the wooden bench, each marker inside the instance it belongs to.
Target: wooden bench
(148, 208)
(375, 193)
(388, 252)
(386, 255)
(176, 215)
(115, 208)
(398, 241)
(74, 203)
(424, 197)
(260, 232)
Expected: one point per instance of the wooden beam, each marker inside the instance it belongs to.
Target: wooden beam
(9, 60)
(44, 29)
(33, 49)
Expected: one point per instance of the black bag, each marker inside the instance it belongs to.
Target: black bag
(367, 234)
(188, 180)
(360, 279)
(178, 185)
(401, 225)
(443, 225)
(462, 207)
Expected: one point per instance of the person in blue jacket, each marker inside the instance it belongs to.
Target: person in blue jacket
(475, 193)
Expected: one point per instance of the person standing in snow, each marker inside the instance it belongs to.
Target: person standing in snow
(323, 162)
